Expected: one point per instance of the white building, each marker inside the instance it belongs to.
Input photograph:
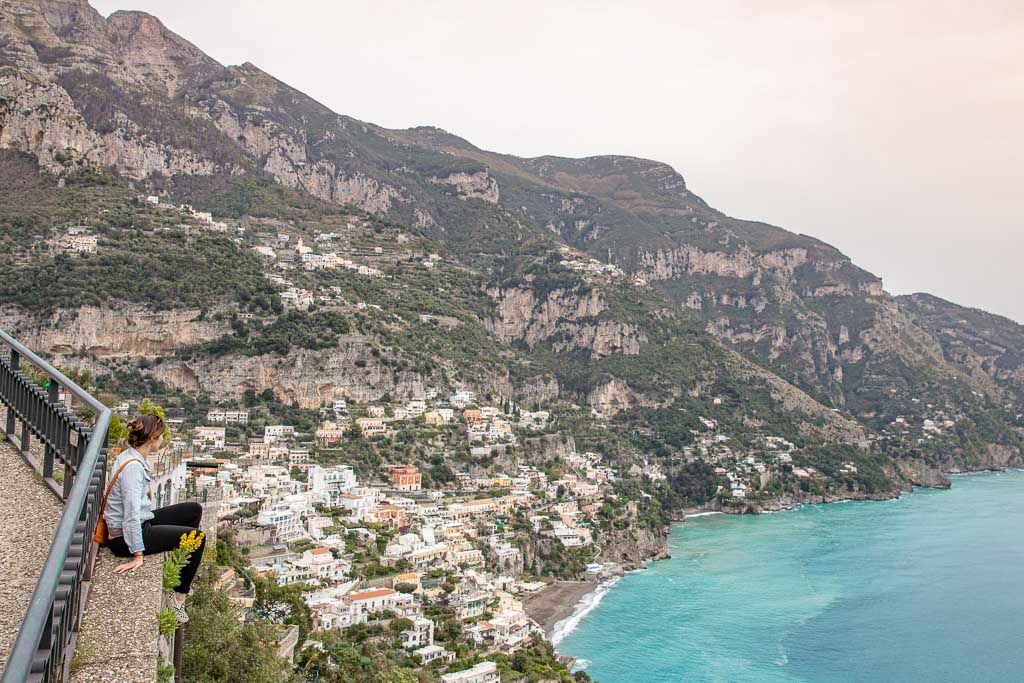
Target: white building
(484, 672)
(267, 479)
(316, 564)
(572, 537)
(360, 504)
(218, 416)
(282, 521)
(373, 600)
(317, 526)
(431, 653)
(295, 297)
(420, 635)
(327, 484)
(462, 398)
(271, 433)
(208, 437)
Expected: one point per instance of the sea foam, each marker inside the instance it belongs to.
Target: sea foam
(587, 604)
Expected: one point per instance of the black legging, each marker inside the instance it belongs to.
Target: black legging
(163, 533)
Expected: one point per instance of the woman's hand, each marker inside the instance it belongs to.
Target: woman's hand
(128, 567)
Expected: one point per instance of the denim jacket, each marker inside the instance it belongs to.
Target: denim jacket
(129, 504)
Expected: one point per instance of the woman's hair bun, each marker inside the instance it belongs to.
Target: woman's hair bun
(142, 429)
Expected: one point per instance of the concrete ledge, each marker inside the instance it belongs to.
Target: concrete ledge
(119, 641)
(119, 638)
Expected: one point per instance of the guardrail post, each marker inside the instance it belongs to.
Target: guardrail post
(25, 439)
(15, 362)
(53, 393)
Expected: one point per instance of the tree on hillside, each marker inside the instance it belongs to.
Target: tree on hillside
(283, 605)
(221, 649)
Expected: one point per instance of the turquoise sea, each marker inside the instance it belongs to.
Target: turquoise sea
(926, 588)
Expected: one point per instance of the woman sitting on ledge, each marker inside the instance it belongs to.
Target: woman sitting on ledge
(136, 529)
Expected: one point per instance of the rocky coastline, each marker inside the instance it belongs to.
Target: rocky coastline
(565, 599)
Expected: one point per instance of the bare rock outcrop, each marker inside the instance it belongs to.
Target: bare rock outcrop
(40, 117)
(128, 331)
(665, 264)
(522, 316)
(612, 397)
(569, 319)
(308, 378)
(480, 185)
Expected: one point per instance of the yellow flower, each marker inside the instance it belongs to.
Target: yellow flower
(191, 541)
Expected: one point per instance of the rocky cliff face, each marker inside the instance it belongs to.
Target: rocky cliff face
(984, 345)
(633, 547)
(477, 185)
(41, 118)
(615, 396)
(91, 337)
(124, 332)
(47, 43)
(308, 378)
(666, 264)
(568, 319)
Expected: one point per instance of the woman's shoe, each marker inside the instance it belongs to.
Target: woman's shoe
(179, 610)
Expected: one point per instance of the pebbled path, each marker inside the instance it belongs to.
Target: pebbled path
(30, 513)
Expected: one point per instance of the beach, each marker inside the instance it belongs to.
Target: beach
(557, 602)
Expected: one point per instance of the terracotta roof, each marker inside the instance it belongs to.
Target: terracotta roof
(320, 551)
(370, 595)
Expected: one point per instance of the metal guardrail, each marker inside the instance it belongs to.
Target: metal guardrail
(49, 632)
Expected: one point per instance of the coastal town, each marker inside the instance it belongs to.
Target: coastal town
(444, 568)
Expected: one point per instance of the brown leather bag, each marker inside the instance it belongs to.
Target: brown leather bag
(101, 535)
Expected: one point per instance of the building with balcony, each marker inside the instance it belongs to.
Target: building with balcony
(327, 484)
(284, 523)
(208, 437)
(406, 478)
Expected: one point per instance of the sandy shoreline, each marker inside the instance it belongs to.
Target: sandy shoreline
(556, 602)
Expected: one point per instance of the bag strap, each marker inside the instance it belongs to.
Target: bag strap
(110, 487)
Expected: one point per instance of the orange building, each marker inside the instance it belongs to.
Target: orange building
(392, 516)
(406, 478)
(472, 416)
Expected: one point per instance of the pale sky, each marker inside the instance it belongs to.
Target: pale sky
(893, 130)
